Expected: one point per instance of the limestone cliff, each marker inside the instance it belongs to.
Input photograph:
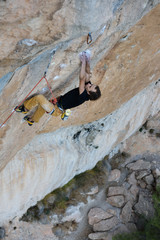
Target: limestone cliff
(125, 63)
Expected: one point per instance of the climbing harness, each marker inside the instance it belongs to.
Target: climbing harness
(53, 99)
(89, 38)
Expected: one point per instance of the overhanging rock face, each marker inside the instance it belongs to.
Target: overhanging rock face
(125, 63)
(51, 159)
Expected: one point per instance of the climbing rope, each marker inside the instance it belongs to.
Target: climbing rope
(45, 73)
(44, 77)
(53, 98)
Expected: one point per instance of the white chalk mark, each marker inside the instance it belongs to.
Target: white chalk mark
(102, 30)
(56, 77)
(28, 42)
(63, 65)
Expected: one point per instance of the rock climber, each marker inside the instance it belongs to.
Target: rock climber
(86, 91)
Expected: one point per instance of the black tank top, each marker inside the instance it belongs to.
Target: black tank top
(73, 99)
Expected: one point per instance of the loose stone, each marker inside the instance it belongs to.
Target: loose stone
(100, 235)
(126, 212)
(116, 201)
(142, 174)
(131, 179)
(149, 179)
(106, 225)
(114, 175)
(114, 191)
(142, 184)
(134, 191)
(144, 206)
(97, 214)
(139, 165)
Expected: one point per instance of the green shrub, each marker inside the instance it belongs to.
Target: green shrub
(131, 236)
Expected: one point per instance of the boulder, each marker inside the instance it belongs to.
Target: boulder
(149, 179)
(130, 198)
(131, 179)
(144, 206)
(116, 201)
(139, 165)
(126, 212)
(114, 175)
(106, 225)
(112, 211)
(131, 227)
(142, 184)
(157, 172)
(100, 235)
(120, 230)
(95, 215)
(114, 191)
(134, 191)
(142, 174)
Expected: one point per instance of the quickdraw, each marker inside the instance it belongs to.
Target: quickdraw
(89, 38)
(52, 54)
(53, 99)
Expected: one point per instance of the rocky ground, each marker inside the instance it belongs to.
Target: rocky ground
(102, 202)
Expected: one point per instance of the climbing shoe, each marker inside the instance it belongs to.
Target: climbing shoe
(20, 109)
(28, 120)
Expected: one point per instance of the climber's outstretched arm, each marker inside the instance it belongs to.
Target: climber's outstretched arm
(82, 75)
(88, 71)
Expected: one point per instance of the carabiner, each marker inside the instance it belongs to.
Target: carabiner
(89, 38)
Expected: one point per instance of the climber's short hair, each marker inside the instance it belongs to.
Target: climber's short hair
(95, 95)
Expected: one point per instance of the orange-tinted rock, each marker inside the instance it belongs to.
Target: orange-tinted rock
(125, 64)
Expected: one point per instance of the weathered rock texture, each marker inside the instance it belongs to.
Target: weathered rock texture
(75, 219)
(125, 63)
(137, 197)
